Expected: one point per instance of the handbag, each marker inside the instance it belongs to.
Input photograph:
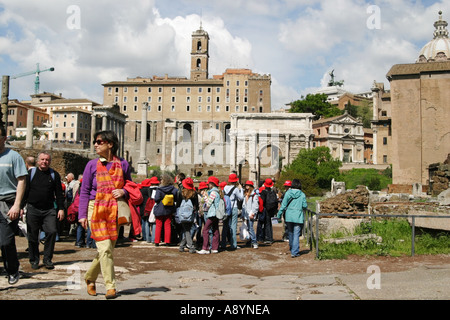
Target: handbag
(243, 232)
(123, 212)
(151, 217)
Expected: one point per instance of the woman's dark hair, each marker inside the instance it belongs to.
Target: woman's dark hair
(296, 184)
(111, 137)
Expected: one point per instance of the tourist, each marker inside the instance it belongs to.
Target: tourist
(292, 206)
(250, 209)
(270, 204)
(211, 221)
(13, 173)
(191, 199)
(45, 207)
(165, 207)
(236, 193)
(103, 185)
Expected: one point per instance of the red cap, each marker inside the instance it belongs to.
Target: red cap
(154, 180)
(233, 178)
(222, 184)
(188, 183)
(288, 183)
(145, 183)
(268, 183)
(213, 180)
(202, 185)
(250, 183)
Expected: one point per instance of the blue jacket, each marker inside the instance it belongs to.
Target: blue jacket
(212, 202)
(293, 204)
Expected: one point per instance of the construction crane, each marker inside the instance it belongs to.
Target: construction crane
(36, 72)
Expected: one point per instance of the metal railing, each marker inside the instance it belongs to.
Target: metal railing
(310, 214)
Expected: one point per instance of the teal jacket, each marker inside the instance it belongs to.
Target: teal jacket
(294, 202)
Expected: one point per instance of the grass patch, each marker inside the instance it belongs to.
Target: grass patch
(396, 235)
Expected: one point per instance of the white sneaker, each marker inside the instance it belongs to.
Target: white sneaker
(214, 251)
(255, 246)
(203, 252)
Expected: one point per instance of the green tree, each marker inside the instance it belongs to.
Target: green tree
(316, 104)
(316, 163)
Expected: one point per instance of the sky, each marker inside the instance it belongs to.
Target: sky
(297, 42)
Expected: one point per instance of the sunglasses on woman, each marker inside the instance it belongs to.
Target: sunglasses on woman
(99, 142)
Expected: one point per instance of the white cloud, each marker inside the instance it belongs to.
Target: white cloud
(296, 41)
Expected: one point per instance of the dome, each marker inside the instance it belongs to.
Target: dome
(437, 49)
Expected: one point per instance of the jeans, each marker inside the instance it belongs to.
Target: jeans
(187, 239)
(294, 232)
(145, 230)
(232, 221)
(251, 230)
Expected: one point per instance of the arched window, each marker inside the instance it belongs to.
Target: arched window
(187, 132)
(199, 63)
(199, 45)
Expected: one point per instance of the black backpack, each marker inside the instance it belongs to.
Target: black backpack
(271, 200)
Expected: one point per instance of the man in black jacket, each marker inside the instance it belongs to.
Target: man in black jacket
(45, 203)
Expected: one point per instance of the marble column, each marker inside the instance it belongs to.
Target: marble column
(30, 126)
(142, 163)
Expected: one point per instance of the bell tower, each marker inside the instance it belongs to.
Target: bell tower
(200, 55)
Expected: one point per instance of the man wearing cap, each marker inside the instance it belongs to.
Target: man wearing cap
(236, 193)
(270, 203)
(211, 221)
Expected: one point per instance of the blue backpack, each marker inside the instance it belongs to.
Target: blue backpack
(185, 212)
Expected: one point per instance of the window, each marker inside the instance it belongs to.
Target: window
(173, 90)
(208, 108)
(188, 90)
(136, 89)
(227, 108)
(188, 108)
(237, 83)
(125, 89)
(384, 140)
(159, 108)
(135, 99)
(217, 108)
(135, 108)
(125, 99)
(384, 158)
(173, 108)
(199, 108)
(159, 89)
(124, 108)
(149, 90)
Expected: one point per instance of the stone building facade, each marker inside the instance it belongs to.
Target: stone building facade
(420, 110)
(185, 110)
(343, 135)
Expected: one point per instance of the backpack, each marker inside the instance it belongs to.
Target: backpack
(271, 201)
(149, 205)
(228, 206)
(185, 212)
(168, 200)
(261, 210)
(33, 172)
(220, 209)
(72, 210)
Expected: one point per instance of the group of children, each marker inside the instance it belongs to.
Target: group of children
(170, 223)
